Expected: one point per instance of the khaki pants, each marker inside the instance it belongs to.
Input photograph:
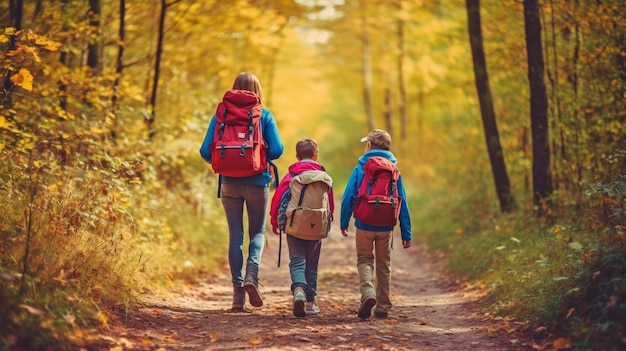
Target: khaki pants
(373, 250)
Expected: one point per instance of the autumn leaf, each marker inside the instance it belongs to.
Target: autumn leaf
(146, 342)
(157, 312)
(96, 130)
(23, 79)
(172, 339)
(27, 50)
(613, 299)
(214, 335)
(70, 318)
(562, 343)
(104, 320)
(255, 341)
(31, 310)
(47, 44)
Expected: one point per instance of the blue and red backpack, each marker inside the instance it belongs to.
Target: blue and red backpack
(378, 201)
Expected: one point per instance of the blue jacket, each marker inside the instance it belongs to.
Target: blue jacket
(352, 189)
(275, 149)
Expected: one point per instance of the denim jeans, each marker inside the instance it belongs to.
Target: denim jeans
(304, 257)
(373, 253)
(255, 198)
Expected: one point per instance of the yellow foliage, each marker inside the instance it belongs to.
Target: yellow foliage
(41, 40)
(23, 78)
(23, 49)
(4, 124)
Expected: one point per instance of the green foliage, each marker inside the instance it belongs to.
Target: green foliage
(568, 276)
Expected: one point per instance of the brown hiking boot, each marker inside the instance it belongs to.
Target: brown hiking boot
(365, 311)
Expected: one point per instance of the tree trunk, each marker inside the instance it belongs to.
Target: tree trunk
(149, 120)
(558, 149)
(542, 177)
(401, 84)
(93, 49)
(16, 13)
(119, 66)
(498, 167)
(64, 58)
(367, 68)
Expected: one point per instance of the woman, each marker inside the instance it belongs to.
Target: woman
(254, 192)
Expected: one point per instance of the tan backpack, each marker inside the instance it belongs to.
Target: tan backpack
(308, 214)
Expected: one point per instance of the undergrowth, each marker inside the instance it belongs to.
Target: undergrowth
(566, 276)
(81, 243)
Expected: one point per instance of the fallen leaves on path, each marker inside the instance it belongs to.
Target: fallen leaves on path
(429, 313)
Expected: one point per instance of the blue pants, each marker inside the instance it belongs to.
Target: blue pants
(304, 257)
(233, 198)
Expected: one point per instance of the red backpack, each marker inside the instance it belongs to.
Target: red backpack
(238, 148)
(378, 202)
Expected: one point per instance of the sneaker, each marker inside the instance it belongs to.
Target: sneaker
(299, 300)
(312, 308)
(365, 311)
(240, 309)
(254, 295)
(381, 314)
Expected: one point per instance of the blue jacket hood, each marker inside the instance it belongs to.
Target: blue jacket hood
(377, 152)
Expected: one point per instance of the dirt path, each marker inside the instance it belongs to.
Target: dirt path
(427, 314)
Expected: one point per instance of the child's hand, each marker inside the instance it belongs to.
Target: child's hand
(275, 230)
(406, 244)
(344, 232)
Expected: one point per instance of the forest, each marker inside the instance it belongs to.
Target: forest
(508, 120)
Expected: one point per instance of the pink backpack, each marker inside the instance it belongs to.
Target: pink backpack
(378, 202)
